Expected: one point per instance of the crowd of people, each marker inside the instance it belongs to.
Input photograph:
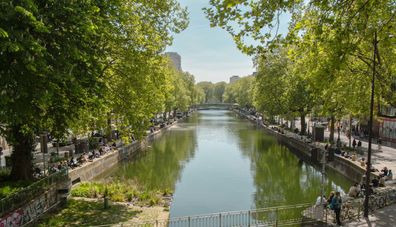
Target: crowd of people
(90, 155)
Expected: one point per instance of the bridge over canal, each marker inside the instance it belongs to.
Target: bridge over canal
(216, 106)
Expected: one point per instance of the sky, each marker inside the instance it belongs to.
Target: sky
(208, 53)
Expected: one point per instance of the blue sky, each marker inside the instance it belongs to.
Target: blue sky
(208, 53)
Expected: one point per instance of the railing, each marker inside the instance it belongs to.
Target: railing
(25, 195)
(274, 216)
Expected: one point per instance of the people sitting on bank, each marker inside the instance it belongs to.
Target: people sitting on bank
(384, 172)
(359, 144)
(390, 175)
(354, 190)
(381, 181)
(375, 182)
(354, 157)
(372, 169)
(362, 162)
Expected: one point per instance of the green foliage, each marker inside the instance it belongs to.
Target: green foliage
(71, 65)
(324, 63)
(240, 92)
(117, 191)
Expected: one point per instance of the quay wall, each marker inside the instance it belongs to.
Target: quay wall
(100, 165)
(303, 150)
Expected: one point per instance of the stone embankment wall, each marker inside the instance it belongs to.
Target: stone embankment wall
(99, 166)
(303, 150)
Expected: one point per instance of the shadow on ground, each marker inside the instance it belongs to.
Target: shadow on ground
(88, 213)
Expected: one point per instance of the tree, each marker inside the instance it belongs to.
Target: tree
(219, 91)
(270, 88)
(64, 59)
(208, 89)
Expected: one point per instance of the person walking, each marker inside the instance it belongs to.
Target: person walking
(379, 142)
(354, 143)
(335, 205)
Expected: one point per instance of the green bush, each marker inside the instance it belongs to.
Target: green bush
(119, 192)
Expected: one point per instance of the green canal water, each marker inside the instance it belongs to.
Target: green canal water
(215, 161)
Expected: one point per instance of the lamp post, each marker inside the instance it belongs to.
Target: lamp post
(368, 170)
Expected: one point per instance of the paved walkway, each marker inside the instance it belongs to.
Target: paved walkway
(383, 217)
(386, 156)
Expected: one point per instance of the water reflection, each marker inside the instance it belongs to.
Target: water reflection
(279, 176)
(216, 161)
(160, 166)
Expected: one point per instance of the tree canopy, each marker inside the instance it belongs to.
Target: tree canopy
(79, 64)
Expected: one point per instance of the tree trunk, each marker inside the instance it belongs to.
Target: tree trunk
(22, 157)
(332, 122)
(303, 124)
(108, 129)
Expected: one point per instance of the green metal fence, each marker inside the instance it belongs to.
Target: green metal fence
(25, 195)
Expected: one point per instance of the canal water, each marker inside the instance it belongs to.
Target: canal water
(215, 161)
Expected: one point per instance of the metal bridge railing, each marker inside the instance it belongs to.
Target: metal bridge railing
(274, 216)
(25, 195)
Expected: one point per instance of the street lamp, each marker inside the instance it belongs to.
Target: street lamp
(368, 167)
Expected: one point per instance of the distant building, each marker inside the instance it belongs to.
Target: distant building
(233, 79)
(176, 59)
(254, 73)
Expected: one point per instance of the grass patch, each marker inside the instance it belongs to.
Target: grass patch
(88, 213)
(118, 191)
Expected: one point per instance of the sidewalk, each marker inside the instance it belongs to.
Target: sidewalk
(385, 157)
(383, 217)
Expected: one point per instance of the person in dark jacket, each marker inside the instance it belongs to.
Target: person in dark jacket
(335, 205)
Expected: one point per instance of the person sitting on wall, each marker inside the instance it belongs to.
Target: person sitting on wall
(362, 162)
(390, 175)
(354, 190)
(354, 157)
(375, 182)
(381, 181)
(384, 172)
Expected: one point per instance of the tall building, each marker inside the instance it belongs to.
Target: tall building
(176, 59)
(233, 79)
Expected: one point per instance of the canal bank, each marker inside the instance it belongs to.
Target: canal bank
(310, 152)
(352, 209)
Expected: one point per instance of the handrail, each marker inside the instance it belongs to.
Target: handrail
(254, 217)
